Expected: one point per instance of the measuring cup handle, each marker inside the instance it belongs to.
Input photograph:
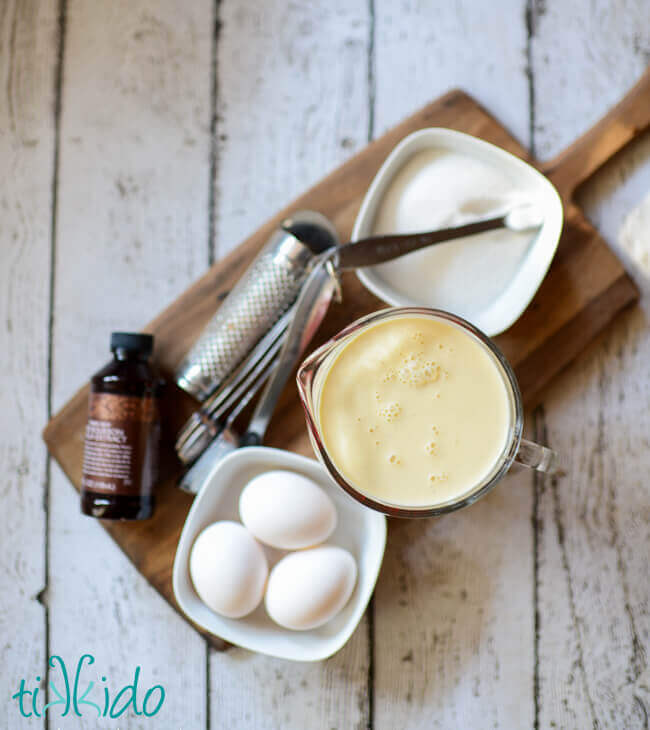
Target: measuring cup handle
(538, 457)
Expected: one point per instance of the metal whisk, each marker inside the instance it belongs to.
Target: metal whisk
(238, 350)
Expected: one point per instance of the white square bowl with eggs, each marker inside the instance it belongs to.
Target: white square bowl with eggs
(359, 530)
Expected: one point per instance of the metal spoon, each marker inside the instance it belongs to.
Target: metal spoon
(379, 249)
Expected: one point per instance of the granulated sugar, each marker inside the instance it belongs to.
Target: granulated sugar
(438, 188)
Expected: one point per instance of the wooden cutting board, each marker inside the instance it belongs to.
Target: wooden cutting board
(584, 290)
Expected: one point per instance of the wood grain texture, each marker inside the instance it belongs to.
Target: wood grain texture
(584, 58)
(132, 233)
(453, 620)
(292, 103)
(623, 123)
(593, 526)
(251, 691)
(594, 534)
(28, 52)
(423, 48)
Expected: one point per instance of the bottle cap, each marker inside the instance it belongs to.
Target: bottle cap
(132, 342)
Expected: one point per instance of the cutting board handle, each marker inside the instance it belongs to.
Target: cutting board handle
(629, 118)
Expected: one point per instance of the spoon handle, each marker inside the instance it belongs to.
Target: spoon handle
(378, 249)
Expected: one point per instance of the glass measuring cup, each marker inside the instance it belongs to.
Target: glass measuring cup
(311, 378)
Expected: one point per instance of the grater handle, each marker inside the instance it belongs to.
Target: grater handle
(265, 292)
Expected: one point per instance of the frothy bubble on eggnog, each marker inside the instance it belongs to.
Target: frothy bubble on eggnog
(414, 411)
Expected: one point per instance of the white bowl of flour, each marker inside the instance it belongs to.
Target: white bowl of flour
(437, 178)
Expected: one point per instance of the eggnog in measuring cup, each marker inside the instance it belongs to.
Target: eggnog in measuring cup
(415, 411)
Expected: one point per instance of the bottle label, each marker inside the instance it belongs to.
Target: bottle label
(121, 444)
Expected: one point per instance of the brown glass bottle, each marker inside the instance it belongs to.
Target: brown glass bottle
(122, 433)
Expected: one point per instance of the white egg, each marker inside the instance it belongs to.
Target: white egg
(287, 510)
(228, 569)
(308, 588)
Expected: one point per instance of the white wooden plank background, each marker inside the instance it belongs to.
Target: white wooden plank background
(131, 235)
(182, 126)
(27, 51)
(593, 526)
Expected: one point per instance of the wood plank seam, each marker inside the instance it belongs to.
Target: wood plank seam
(540, 435)
(558, 523)
(58, 88)
(214, 147)
(211, 247)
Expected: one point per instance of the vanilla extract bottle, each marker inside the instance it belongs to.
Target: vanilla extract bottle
(120, 465)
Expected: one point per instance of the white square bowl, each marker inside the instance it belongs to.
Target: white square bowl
(514, 299)
(359, 530)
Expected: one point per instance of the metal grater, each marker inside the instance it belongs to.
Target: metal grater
(264, 293)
